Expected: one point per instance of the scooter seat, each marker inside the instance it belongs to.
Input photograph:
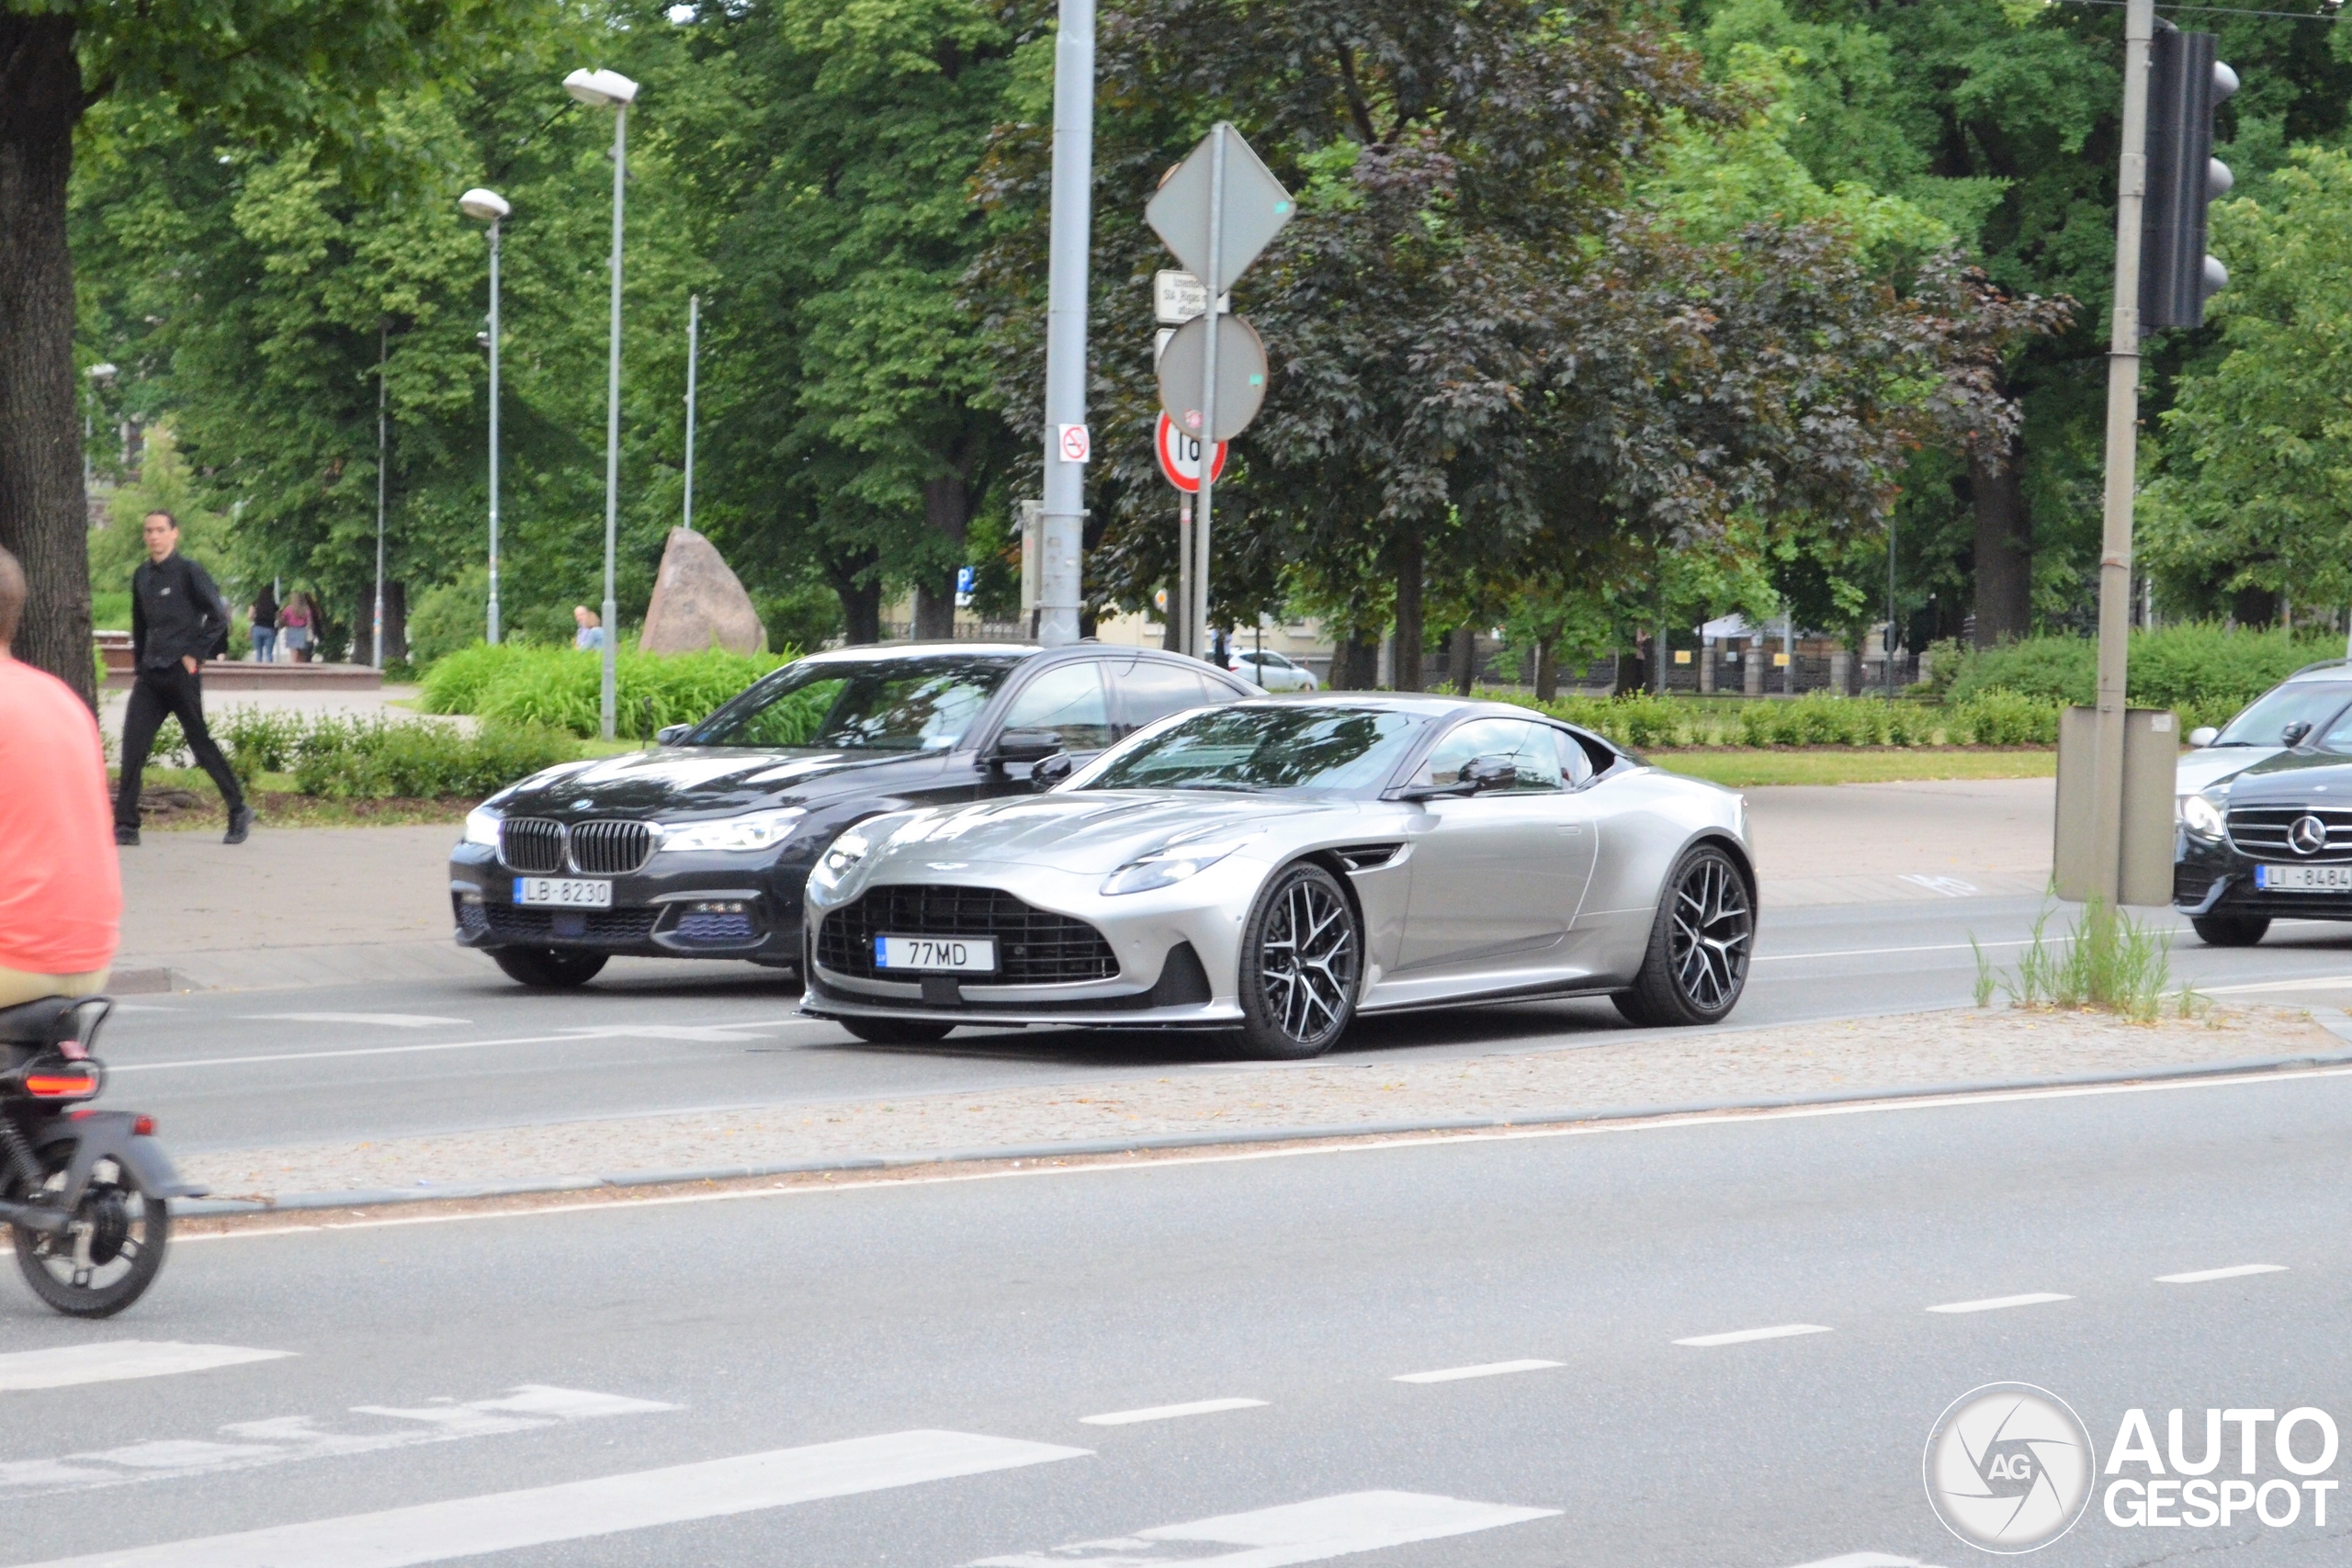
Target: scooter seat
(42, 1022)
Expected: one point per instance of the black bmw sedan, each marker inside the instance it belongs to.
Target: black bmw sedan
(698, 847)
(2272, 843)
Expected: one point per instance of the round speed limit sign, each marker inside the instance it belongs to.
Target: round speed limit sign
(1180, 457)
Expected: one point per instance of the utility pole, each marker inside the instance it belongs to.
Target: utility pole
(693, 352)
(1061, 583)
(383, 451)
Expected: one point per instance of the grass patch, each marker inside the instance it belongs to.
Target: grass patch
(1740, 768)
(183, 800)
(2110, 962)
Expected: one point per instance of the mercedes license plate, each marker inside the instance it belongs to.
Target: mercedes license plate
(2303, 878)
(564, 892)
(963, 954)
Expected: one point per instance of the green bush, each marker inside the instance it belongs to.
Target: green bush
(449, 617)
(560, 688)
(454, 681)
(2002, 718)
(372, 759)
(2199, 670)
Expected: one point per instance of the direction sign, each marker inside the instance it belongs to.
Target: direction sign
(1240, 375)
(1180, 458)
(1255, 208)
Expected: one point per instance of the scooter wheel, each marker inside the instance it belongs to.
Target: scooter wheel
(109, 1255)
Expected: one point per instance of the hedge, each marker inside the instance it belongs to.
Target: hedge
(1646, 722)
(2199, 671)
(560, 688)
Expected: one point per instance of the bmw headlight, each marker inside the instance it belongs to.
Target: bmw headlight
(481, 826)
(1167, 866)
(841, 857)
(2201, 818)
(752, 830)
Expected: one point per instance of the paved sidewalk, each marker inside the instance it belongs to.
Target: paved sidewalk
(1874, 843)
(1891, 1054)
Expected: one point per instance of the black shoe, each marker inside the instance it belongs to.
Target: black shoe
(126, 835)
(241, 822)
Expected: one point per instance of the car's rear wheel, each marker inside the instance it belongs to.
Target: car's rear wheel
(895, 1031)
(1697, 963)
(1301, 955)
(2229, 930)
(548, 968)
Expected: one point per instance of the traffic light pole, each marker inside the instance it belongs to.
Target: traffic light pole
(2122, 456)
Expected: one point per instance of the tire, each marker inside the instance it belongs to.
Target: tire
(895, 1031)
(1696, 966)
(548, 968)
(129, 1230)
(2229, 930)
(1302, 955)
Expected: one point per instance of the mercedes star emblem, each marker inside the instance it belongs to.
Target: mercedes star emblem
(2307, 835)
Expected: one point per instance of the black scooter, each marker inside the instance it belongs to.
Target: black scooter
(87, 1194)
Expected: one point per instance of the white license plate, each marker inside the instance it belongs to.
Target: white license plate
(564, 892)
(2303, 878)
(965, 954)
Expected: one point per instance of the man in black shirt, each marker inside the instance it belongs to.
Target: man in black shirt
(177, 621)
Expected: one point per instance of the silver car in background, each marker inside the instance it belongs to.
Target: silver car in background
(1279, 866)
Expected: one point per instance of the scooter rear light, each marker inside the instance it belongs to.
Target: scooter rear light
(61, 1085)
(145, 1126)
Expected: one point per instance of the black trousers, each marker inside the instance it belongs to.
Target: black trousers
(173, 691)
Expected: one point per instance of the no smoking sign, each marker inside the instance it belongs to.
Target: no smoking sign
(1072, 443)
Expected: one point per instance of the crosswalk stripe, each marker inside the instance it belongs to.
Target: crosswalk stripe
(509, 1521)
(1999, 1304)
(1747, 1335)
(1490, 1370)
(1169, 1412)
(1296, 1532)
(115, 1359)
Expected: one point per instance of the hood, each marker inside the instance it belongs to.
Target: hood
(2295, 778)
(1084, 830)
(2210, 765)
(702, 779)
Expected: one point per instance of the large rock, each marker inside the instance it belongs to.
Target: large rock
(698, 602)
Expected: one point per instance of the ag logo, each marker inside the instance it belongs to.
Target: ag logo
(2010, 1467)
(2307, 835)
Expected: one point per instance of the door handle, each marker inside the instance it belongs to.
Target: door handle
(1572, 829)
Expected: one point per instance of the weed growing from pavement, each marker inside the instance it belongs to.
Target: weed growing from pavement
(2110, 962)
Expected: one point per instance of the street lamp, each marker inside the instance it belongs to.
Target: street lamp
(610, 89)
(489, 207)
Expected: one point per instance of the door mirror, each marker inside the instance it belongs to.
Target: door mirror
(1479, 775)
(2292, 735)
(2203, 734)
(1052, 771)
(670, 734)
(1014, 746)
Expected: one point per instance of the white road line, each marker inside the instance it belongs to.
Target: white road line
(579, 1510)
(1297, 1532)
(390, 1020)
(1491, 1370)
(1883, 952)
(1742, 1335)
(1995, 1303)
(1169, 1412)
(719, 1033)
(2316, 983)
(115, 1359)
(1866, 1560)
(2236, 1271)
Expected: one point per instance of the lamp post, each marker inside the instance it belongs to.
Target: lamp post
(610, 89)
(383, 461)
(489, 207)
(693, 352)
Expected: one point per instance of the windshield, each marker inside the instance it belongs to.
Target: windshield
(885, 705)
(1269, 747)
(2308, 703)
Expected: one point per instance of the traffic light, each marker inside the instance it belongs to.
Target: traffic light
(2185, 82)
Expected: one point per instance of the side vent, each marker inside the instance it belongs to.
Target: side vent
(1366, 857)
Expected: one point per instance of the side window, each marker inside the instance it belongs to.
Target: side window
(1576, 763)
(1068, 700)
(1150, 690)
(1535, 759)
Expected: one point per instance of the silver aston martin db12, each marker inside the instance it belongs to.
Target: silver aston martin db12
(1277, 867)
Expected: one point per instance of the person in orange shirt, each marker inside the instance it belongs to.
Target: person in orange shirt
(61, 889)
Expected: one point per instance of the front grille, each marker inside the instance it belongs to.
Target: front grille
(531, 844)
(601, 928)
(2261, 830)
(610, 848)
(1033, 947)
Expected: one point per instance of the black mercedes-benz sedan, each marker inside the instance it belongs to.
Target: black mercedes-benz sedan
(2272, 843)
(698, 847)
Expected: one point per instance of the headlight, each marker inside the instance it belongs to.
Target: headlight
(1165, 867)
(481, 826)
(2201, 818)
(752, 830)
(840, 858)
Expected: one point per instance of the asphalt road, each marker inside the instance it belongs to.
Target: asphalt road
(749, 1381)
(242, 1069)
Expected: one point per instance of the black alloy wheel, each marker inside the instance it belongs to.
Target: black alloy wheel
(1301, 957)
(1697, 963)
(111, 1250)
(548, 968)
(895, 1031)
(2229, 930)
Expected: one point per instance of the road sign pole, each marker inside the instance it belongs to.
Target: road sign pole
(1182, 610)
(1060, 581)
(1197, 618)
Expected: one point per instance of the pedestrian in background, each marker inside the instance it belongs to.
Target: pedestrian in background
(591, 634)
(294, 625)
(177, 621)
(265, 627)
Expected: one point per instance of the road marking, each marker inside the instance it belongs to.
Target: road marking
(390, 1020)
(1296, 1532)
(1883, 952)
(712, 1032)
(1742, 1335)
(289, 1437)
(2236, 1271)
(1169, 1412)
(115, 1359)
(579, 1510)
(1866, 1560)
(2316, 983)
(1950, 887)
(1491, 1370)
(1995, 1303)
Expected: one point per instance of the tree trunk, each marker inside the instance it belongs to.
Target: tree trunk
(2004, 548)
(1630, 673)
(1356, 665)
(2255, 607)
(44, 515)
(1461, 659)
(859, 588)
(946, 509)
(1548, 670)
(1410, 649)
(363, 622)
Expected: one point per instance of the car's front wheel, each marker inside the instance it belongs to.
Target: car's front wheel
(1301, 956)
(548, 968)
(1696, 962)
(2229, 930)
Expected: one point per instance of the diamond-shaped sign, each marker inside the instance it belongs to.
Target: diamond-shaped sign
(1255, 208)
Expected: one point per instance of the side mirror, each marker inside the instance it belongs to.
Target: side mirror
(1479, 775)
(1022, 746)
(2292, 735)
(670, 734)
(2203, 734)
(1052, 771)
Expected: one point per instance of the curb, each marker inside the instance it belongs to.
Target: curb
(297, 1202)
